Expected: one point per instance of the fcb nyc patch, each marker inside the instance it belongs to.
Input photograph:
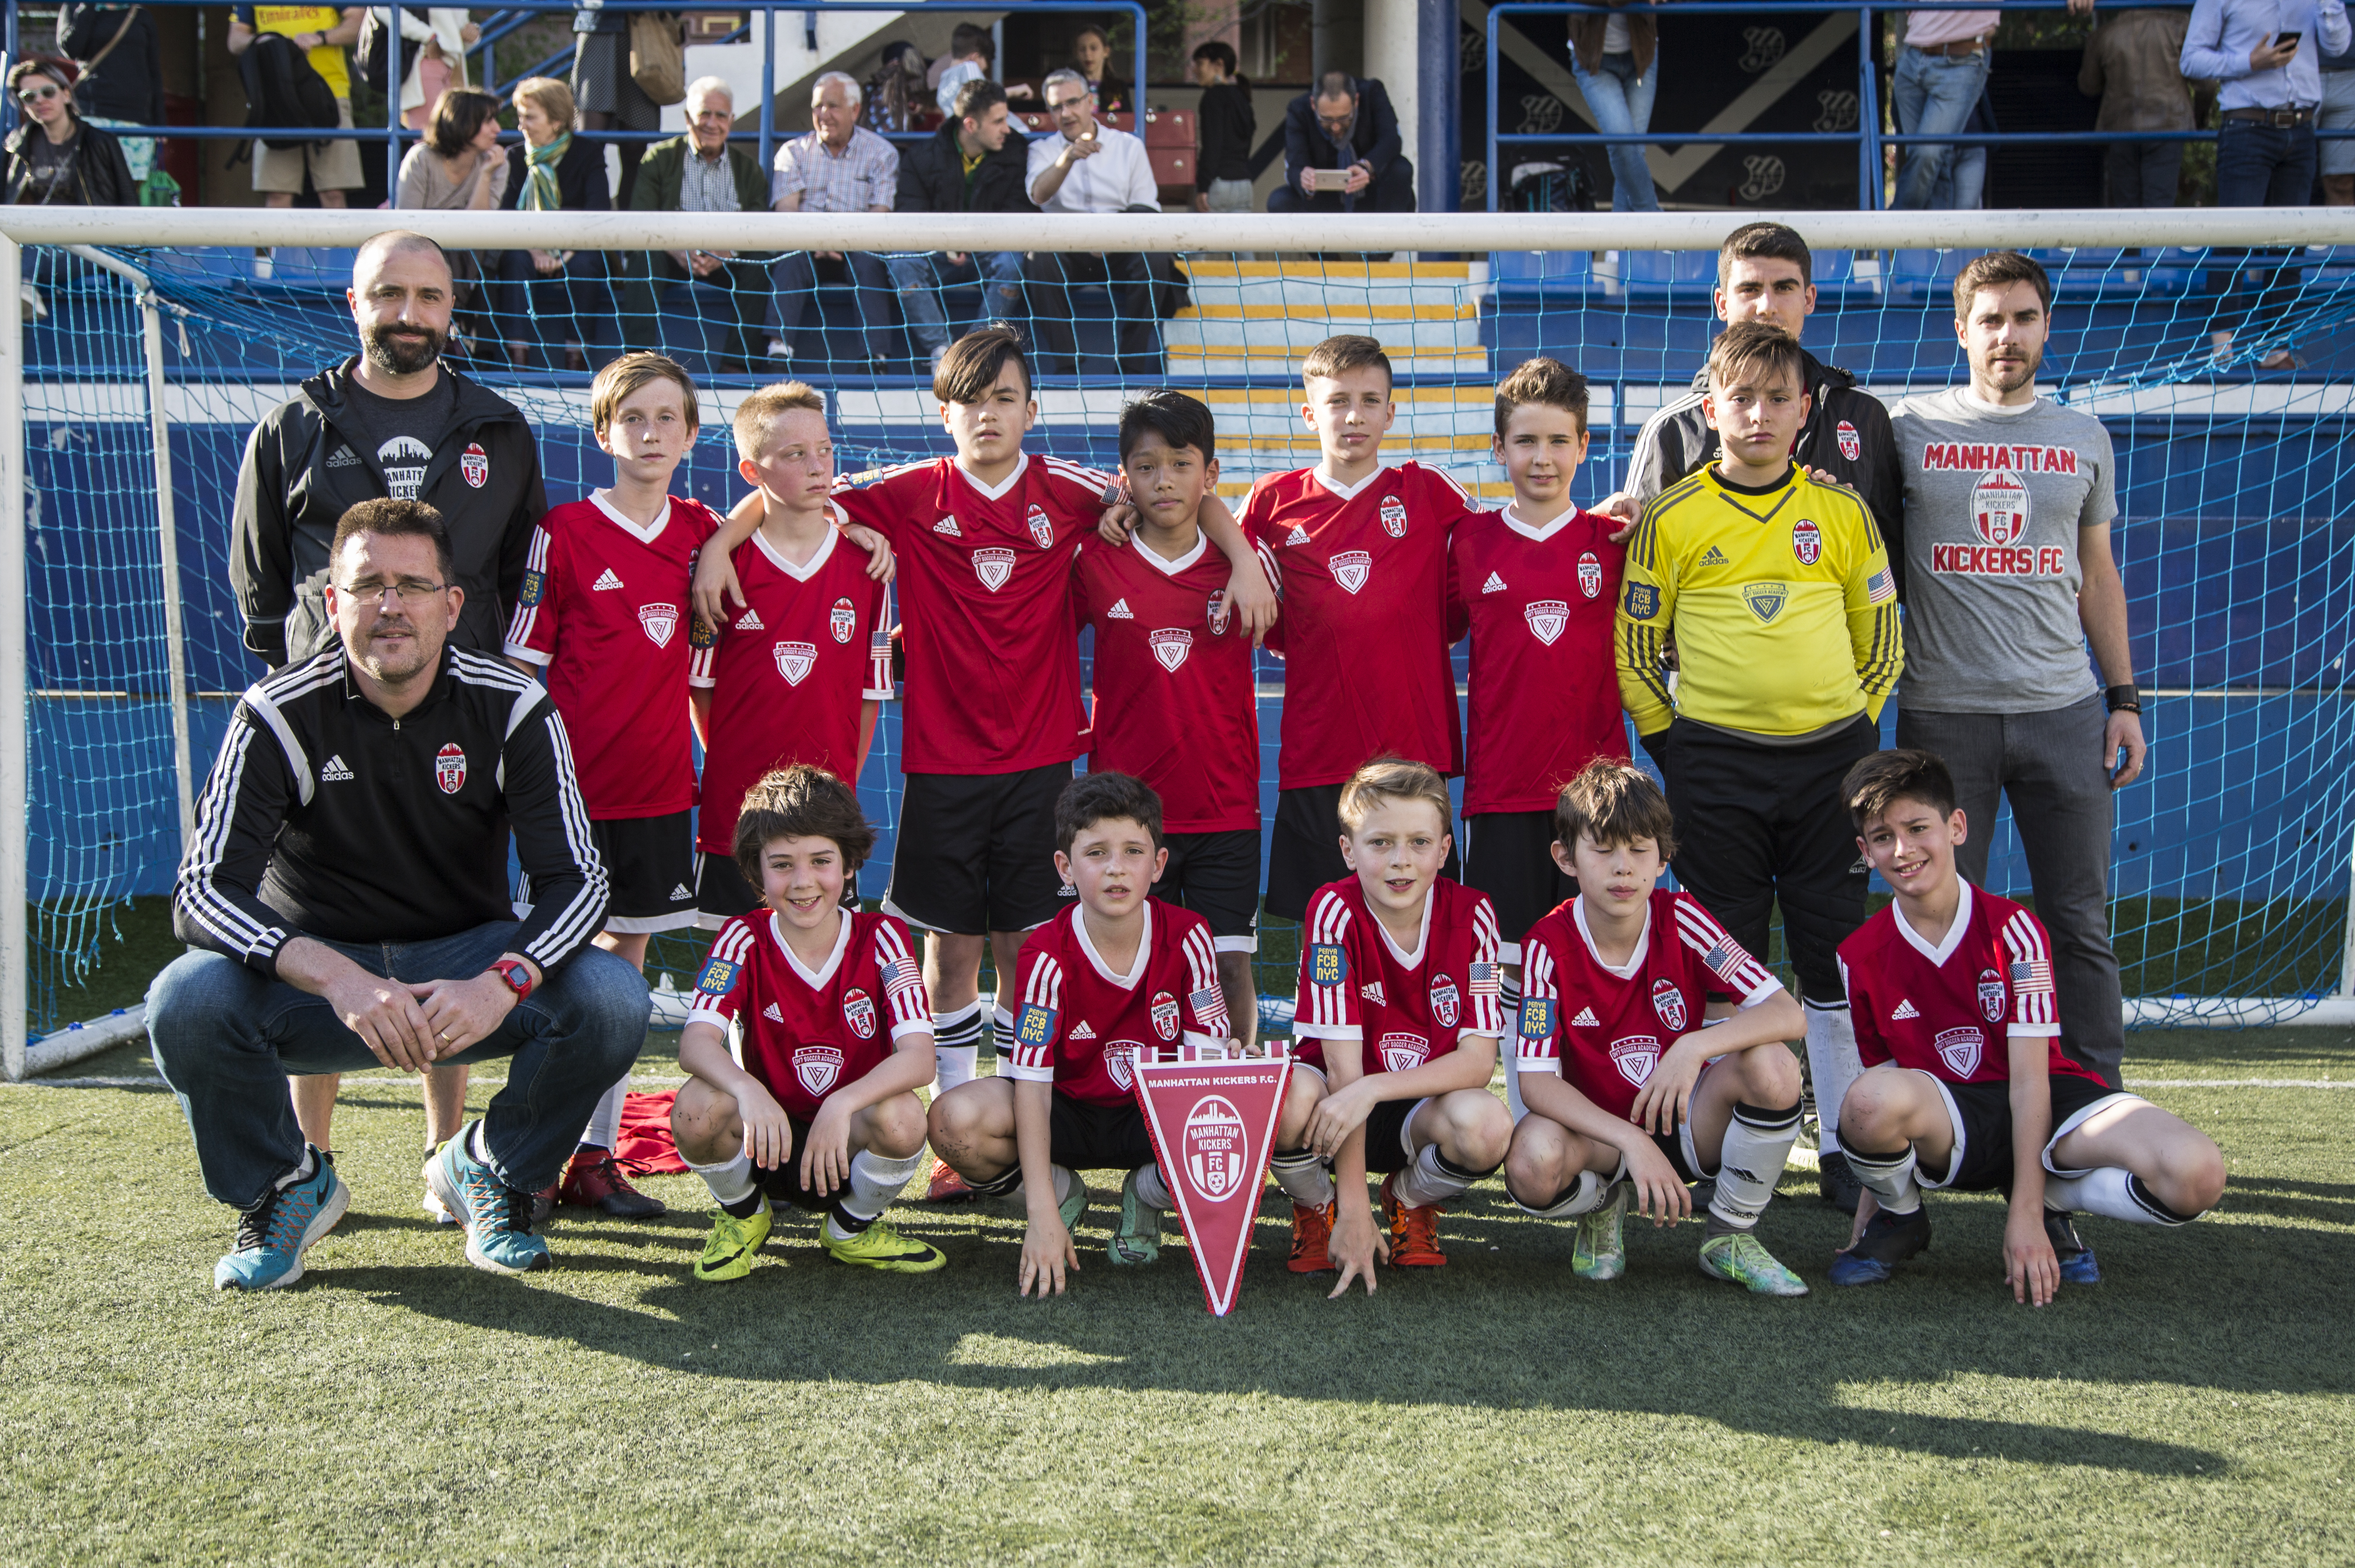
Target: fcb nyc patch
(534, 583)
(699, 633)
(1035, 1025)
(1328, 964)
(1765, 599)
(1537, 1018)
(718, 979)
(1642, 600)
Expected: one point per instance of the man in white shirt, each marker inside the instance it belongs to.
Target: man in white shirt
(1089, 166)
(839, 166)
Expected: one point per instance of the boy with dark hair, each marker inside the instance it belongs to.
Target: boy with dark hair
(1779, 594)
(1536, 584)
(1928, 977)
(1116, 972)
(837, 1037)
(1627, 1083)
(1175, 703)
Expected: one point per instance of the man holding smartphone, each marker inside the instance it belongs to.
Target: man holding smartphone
(1341, 150)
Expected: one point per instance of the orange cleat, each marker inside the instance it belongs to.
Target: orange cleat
(947, 1186)
(1415, 1232)
(1311, 1229)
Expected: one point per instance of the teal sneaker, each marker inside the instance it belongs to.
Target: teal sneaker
(272, 1235)
(1599, 1251)
(1136, 1240)
(499, 1218)
(1739, 1258)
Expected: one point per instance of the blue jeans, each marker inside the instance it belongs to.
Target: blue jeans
(225, 1038)
(1935, 96)
(1621, 102)
(2262, 166)
(794, 278)
(919, 279)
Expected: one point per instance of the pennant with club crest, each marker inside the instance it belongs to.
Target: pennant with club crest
(1212, 1117)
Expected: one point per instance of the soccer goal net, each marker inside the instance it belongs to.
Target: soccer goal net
(149, 342)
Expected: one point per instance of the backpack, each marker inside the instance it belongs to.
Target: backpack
(283, 89)
(1552, 187)
(374, 51)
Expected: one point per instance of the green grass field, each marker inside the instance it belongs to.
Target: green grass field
(398, 1406)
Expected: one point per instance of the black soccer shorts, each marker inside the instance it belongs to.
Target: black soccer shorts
(1216, 875)
(1980, 1115)
(1305, 851)
(1508, 855)
(650, 863)
(1083, 1136)
(976, 851)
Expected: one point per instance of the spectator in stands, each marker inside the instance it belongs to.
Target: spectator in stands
(2334, 157)
(122, 83)
(972, 51)
(1227, 125)
(609, 96)
(839, 166)
(976, 163)
(1614, 58)
(892, 94)
(2133, 64)
(701, 172)
(433, 59)
(459, 168)
(1942, 69)
(550, 296)
(321, 32)
(1347, 124)
(1088, 166)
(56, 159)
(1091, 58)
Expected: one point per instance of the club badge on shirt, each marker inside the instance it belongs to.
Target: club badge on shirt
(1669, 1003)
(1446, 1002)
(1042, 529)
(1350, 568)
(1546, 618)
(1590, 576)
(795, 660)
(858, 1012)
(660, 621)
(1960, 1050)
(449, 769)
(1634, 1057)
(475, 464)
(1395, 516)
(1170, 645)
(1404, 1052)
(993, 567)
(1120, 1061)
(1991, 995)
(842, 620)
(818, 1067)
(2000, 507)
(1165, 1015)
(1807, 542)
(1850, 445)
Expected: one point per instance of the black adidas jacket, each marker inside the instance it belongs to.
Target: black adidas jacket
(1842, 417)
(327, 817)
(307, 463)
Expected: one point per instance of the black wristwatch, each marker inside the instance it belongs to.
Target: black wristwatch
(2127, 699)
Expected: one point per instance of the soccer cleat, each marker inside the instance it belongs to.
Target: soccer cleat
(729, 1251)
(947, 1186)
(1599, 1251)
(1888, 1239)
(499, 1219)
(1136, 1240)
(1074, 1203)
(2077, 1265)
(1312, 1231)
(880, 1246)
(1741, 1258)
(1837, 1184)
(594, 1180)
(1414, 1230)
(272, 1235)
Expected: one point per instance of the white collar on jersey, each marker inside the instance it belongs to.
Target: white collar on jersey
(1127, 982)
(811, 567)
(1635, 965)
(1348, 492)
(1162, 563)
(1537, 533)
(1945, 949)
(817, 981)
(644, 536)
(1421, 939)
(1022, 467)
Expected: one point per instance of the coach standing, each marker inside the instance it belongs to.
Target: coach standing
(348, 887)
(2008, 502)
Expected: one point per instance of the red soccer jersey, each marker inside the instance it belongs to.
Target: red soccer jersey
(1363, 630)
(1081, 1024)
(1176, 704)
(808, 1032)
(989, 625)
(791, 674)
(604, 609)
(1933, 1008)
(1545, 680)
(1604, 1027)
(1407, 1007)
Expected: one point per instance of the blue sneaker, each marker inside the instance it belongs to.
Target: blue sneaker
(2077, 1265)
(274, 1233)
(499, 1218)
(1888, 1239)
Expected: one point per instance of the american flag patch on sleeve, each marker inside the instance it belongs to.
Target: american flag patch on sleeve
(1879, 587)
(901, 973)
(1725, 958)
(1483, 979)
(2031, 974)
(1209, 1002)
(879, 645)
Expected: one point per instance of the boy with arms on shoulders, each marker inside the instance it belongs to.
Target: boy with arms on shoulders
(817, 1106)
(1607, 978)
(1396, 1027)
(1115, 972)
(1929, 978)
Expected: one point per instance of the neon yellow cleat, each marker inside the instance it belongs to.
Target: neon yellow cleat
(880, 1246)
(734, 1244)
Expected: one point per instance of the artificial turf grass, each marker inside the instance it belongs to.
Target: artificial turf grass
(398, 1406)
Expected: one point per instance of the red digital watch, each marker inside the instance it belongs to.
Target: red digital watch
(517, 974)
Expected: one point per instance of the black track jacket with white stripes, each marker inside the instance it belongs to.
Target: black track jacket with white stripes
(325, 816)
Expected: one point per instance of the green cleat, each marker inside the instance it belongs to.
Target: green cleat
(1074, 1203)
(734, 1244)
(1738, 1258)
(1600, 1252)
(1137, 1241)
(880, 1246)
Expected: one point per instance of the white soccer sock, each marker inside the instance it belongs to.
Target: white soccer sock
(730, 1180)
(1757, 1144)
(957, 1047)
(1834, 1065)
(1509, 1006)
(1582, 1196)
(1431, 1179)
(876, 1181)
(1891, 1177)
(1001, 1024)
(1151, 1191)
(2115, 1193)
(605, 1123)
(1302, 1176)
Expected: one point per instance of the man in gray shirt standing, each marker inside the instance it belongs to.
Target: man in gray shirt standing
(2008, 502)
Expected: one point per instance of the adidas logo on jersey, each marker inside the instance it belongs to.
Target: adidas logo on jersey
(1119, 612)
(334, 772)
(1372, 991)
(771, 1013)
(344, 457)
(680, 894)
(1495, 584)
(948, 526)
(1586, 1019)
(751, 622)
(1905, 1010)
(1084, 1031)
(1715, 557)
(1297, 536)
(606, 581)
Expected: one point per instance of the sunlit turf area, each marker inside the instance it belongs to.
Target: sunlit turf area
(397, 1406)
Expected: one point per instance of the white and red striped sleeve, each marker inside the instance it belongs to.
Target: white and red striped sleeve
(531, 630)
(1099, 489)
(720, 989)
(1748, 980)
(1206, 1002)
(904, 995)
(1447, 499)
(878, 646)
(1039, 1022)
(1325, 1005)
(1484, 1016)
(2035, 1009)
(1537, 1035)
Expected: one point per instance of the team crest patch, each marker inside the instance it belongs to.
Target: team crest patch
(1991, 995)
(1395, 516)
(699, 633)
(534, 583)
(1669, 1003)
(1120, 1061)
(1350, 567)
(1445, 1004)
(2000, 507)
(1765, 599)
(817, 1066)
(1035, 1026)
(1041, 530)
(1212, 1147)
(993, 567)
(858, 1012)
(842, 620)
(660, 621)
(1634, 1057)
(1170, 645)
(1807, 542)
(1165, 1015)
(719, 977)
(1218, 613)
(1328, 965)
(475, 464)
(1404, 1052)
(1642, 600)
(1547, 617)
(449, 769)
(1960, 1050)
(1850, 443)
(1590, 575)
(1537, 1016)
(794, 661)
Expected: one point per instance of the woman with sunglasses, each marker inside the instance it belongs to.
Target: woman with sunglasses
(54, 159)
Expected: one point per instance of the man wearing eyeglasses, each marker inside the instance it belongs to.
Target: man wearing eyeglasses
(1341, 150)
(347, 890)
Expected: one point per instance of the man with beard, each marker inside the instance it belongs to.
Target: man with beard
(2009, 503)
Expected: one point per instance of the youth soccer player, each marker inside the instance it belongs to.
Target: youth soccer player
(1626, 1088)
(1536, 585)
(1778, 594)
(1396, 1029)
(800, 672)
(1176, 702)
(817, 1103)
(1930, 978)
(1117, 972)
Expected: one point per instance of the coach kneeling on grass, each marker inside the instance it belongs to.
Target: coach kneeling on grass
(350, 880)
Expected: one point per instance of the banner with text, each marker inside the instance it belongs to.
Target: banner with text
(1213, 1125)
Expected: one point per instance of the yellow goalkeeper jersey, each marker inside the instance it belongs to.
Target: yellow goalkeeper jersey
(1780, 601)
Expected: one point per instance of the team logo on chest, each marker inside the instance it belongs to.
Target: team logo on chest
(660, 621)
(858, 1012)
(817, 1066)
(1404, 1052)
(1395, 516)
(1042, 529)
(993, 567)
(1669, 1003)
(1120, 1061)
(1991, 995)
(1170, 645)
(1765, 599)
(1850, 443)
(1165, 1015)
(1634, 1057)
(842, 620)
(1546, 618)
(1960, 1050)
(1445, 1002)
(475, 464)
(1350, 567)
(1807, 542)
(449, 769)
(1590, 575)
(794, 661)
(1213, 1143)
(2000, 507)
(1218, 613)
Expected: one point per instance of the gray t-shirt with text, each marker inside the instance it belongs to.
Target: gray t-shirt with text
(1993, 497)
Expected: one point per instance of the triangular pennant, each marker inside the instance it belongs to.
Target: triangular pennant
(1214, 1125)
